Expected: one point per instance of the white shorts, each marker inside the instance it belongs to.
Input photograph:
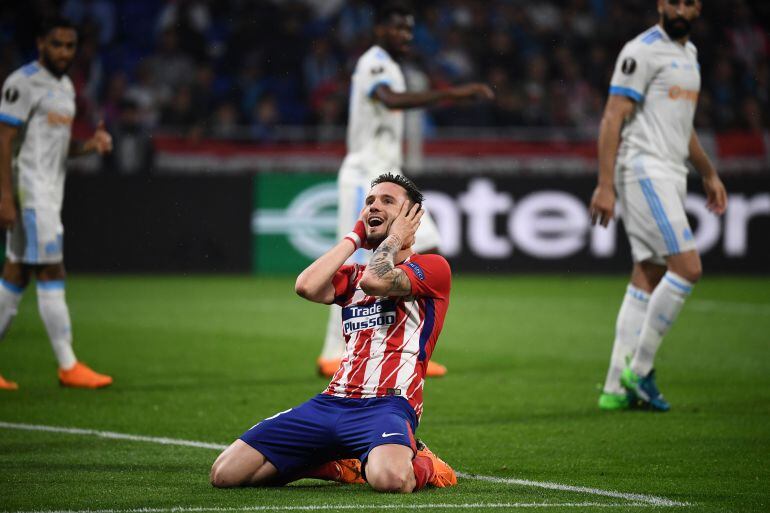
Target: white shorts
(352, 186)
(654, 218)
(36, 238)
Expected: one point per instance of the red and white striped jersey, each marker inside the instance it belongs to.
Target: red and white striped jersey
(389, 340)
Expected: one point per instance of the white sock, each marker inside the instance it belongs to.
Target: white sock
(334, 343)
(10, 296)
(56, 317)
(627, 328)
(666, 302)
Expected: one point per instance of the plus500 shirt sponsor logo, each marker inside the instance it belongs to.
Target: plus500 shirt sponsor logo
(378, 315)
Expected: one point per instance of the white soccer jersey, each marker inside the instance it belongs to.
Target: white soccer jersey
(43, 107)
(663, 78)
(374, 131)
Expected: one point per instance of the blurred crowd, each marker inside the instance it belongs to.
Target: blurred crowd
(242, 68)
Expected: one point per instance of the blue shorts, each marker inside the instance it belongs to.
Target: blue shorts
(327, 428)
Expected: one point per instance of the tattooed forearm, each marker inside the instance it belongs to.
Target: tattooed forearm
(383, 260)
(383, 266)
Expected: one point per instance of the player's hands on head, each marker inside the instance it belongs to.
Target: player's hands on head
(101, 141)
(406, 223)
(602, 206)
(8, 213)
(716, 194)
(474, 90)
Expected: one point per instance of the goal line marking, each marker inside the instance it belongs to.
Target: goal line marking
(635, 498)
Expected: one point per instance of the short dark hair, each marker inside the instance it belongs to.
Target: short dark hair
(54, 22)
(412, 191)
(388, 9)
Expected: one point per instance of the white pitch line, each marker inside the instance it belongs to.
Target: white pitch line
(112, 435)
(325, 507)
(633, 498)
(647, 499)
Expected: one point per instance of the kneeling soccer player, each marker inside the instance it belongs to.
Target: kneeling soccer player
(363, 424)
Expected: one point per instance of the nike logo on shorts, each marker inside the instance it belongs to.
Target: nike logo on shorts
(386, 435)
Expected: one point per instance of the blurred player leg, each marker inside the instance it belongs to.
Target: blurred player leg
(10, 296)
(662, 230)
(14, 281)
(427, 240)
(56, 318)
(352, 186)
(627, 327)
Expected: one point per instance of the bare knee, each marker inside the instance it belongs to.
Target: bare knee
(217, 476)
(391, 480)
(16, 274)
(692, 273)
(688, 268)
(241, 465)
(51, 272)
(222, 475)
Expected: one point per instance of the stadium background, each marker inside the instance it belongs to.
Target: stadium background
(228, 119)
(218, 109)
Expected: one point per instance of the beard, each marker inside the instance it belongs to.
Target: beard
(676, 27)
(373, 241)
(55, 69)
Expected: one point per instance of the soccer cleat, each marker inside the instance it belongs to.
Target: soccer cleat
(82, 376)
(435, 370)
(350, 471)
(611, 402)
(8, 385)
(327, 367)
(645, 389)
(443, 475)
(341, 471)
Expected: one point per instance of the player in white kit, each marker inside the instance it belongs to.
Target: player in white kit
(378, 97)
(36, 113)
(653, 96)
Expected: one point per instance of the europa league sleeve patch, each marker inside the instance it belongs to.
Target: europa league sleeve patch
(417, 270)
(628, 66)
(11, 95)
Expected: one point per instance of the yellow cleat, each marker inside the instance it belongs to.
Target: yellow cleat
(82, 376)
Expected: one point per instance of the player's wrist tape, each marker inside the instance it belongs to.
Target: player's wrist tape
(354, 238)
(358, 235)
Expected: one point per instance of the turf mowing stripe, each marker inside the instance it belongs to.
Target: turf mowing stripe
(323, 507)
(647, 499)
(707, 305)
(633, 498)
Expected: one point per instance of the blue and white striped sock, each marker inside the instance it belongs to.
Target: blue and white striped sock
(56, 317)
(10, 296)
(627, 328)
(666, 302)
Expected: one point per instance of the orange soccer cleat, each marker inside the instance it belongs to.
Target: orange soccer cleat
(82, 376)
(350, 471)
(443, 475)
(341, 471)
(435, 370)
(8, 385)
(327, 367)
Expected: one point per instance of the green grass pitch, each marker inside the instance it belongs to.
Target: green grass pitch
(204, 358)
